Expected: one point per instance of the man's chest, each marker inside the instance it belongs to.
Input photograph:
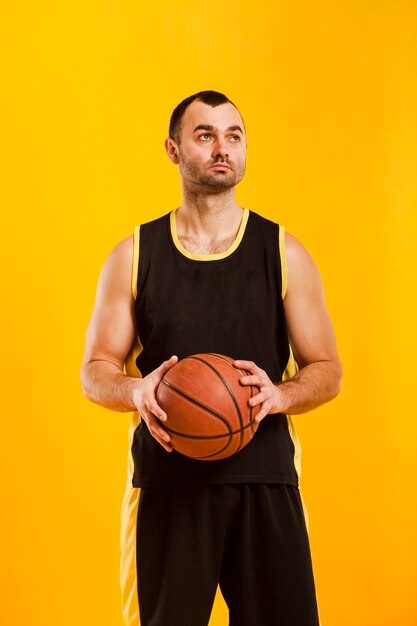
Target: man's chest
(198, 247)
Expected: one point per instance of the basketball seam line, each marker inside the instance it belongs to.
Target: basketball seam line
(223, 358)
(232, 395)
(209, 410)
(185, 435)
(197, 403)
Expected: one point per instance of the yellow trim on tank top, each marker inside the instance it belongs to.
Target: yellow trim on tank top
(283, 256)
(135, 262)
(208, 257)
(130, 367)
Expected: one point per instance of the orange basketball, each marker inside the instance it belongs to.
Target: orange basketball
(208, 415)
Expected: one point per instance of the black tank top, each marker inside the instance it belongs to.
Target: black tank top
(229, 303)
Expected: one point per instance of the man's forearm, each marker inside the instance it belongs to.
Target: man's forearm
(103, 383)
(312, 386)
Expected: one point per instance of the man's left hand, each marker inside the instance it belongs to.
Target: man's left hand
(270, 396)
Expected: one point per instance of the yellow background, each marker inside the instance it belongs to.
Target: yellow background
(328, 93)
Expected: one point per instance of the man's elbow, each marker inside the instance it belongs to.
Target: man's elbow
(336, 379)
(86, 380)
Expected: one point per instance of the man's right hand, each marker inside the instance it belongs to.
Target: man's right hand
(143, 397)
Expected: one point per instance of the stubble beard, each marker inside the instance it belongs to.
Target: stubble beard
(215, 181)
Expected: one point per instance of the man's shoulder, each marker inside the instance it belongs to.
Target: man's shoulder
(121, 255)
(302, 269)
(294, 248)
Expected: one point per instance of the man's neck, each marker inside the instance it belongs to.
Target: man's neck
(209, 217)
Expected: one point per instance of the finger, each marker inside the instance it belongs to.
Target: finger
(156, 410)
(246, 365)
(260, 397)
(156, 430)
(157, 374)
(249, 366)
(252, 380)
(166, 365)
(263, 412)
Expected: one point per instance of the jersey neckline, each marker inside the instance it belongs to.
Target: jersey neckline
(208, 257)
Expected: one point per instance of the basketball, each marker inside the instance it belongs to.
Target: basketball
(208, 415)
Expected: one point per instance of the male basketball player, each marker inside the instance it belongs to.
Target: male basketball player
(212, 276)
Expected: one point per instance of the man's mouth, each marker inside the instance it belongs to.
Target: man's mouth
(222, 166)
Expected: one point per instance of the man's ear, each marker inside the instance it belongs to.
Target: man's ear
(172, 150)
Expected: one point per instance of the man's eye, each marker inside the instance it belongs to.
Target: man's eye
(204, 136)
(235, 138)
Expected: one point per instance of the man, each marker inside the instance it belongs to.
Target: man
(212, 277)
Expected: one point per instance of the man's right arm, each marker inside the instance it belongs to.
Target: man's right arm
(110, 335)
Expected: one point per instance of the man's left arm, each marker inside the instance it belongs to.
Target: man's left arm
(312, 339)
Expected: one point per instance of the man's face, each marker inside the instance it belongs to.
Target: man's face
(212, 146)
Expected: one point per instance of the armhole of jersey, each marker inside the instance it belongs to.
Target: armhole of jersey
(135, 262)
(283, 257)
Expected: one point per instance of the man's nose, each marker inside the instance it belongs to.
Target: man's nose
(220, 148)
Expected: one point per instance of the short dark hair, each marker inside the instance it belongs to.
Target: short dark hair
(213, 98)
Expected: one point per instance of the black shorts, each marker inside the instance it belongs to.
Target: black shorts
(179, 543)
